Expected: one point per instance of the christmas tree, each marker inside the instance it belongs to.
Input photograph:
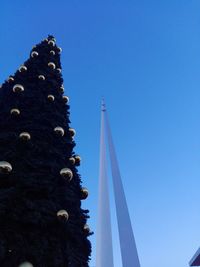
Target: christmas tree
(42, 223)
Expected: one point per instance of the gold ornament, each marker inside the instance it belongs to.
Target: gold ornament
(15, 111)
(10, 79)
(25, 136)
(41, 77)
(34, 54)
(51, 42)
(67, 174)
(65, 98)
(52, 65)
(59, 50)
(26, 264)
(63, 215)
(51, 98)
(86, 228)
(72, 160)
(5, 167)
(84, 193)
(22, 68)
(62, 89)
(18, 88)
(52, 52)
(78, 159)
(72, 132)
(58, 70)
(59, 130)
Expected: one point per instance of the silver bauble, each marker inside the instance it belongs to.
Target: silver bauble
(52, 52)
(51, 42)
(34, 54)
(72, 132)
(59, 49)
(5, 167)
(84, 193)
(22, 68)
(10, 79)
(51, 98)
(65, 98)
(77, 159)
(18, 88)
(72, 160)
(25, 136)
(63, 215)
(58, 70)
(86, 228)
(41, 77)
(52, 65)
(15, 111)
(59, 130)
(66, 173)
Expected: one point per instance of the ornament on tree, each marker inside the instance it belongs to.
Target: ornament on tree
(53, 39)
(51, 98)
(67, 174)
(22, 68)
(77, 160)
(26, 264)
(52, 65)
(72, 132)
(10, 79)
(51, 42)
(18, 88)
(84, 193)
(59, 70)
(52, 52)
(15, 111)
(72, 160)
(34, 54)
(86, 228)
(65, 98)
(25, 136)
(41, 77)
(5, 167)
(62, 89)
(63, 215)
(59, 131)
(59, 50)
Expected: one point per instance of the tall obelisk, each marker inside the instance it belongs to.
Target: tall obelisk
(104, 252)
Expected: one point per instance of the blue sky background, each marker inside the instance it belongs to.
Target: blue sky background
(144, 58)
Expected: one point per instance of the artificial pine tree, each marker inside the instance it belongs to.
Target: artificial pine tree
(41, 220)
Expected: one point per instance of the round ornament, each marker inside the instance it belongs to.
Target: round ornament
(59, 50)
(26, 264)
(52, 65)
(15, 111)
(67, 174)
(72, 132)
(59, 131)
(18, 88)
(86, 228)
(51, 42)
(51, 98)
(22, 68)
(52, 52)
(41, 77)
(84, 193)
(59, 70)
(62, 89)
(5, 167)
(34, 54)
(72, 160)
(77, 159)
(63, 215)
(10, 79)
(65, 98)
(25, 136)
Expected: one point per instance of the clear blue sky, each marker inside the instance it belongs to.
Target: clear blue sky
(144, 57)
